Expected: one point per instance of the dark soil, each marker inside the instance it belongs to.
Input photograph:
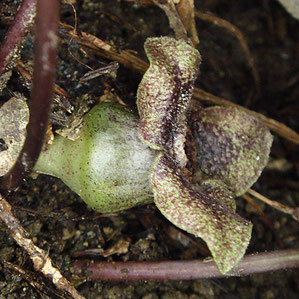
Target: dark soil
(58, 221)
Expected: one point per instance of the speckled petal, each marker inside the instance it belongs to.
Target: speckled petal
(165, 92)
(219, 192)
(233, 146)
(225, 232)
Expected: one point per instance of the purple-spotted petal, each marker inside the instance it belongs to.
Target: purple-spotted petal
(165, 92)
(225, 232)
(233, 146)
(219, 192)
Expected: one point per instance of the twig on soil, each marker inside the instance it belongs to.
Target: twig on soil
(240, 37)
(174, 19)
(61, 97)
(294, 212)
(36, 282)
(101, 48)
(264, 217)
(41, 261)
(17, 31)
(25, 71)
(185, 9)
(186, 270)
(181, 17)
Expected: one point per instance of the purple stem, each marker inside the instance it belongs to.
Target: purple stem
(15, 34)
(41, 94)
(186, 270)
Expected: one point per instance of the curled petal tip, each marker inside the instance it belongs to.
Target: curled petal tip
(165, 91)
(198, 212)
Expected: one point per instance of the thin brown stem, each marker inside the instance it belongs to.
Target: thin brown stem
(240, 37)
(186, 270)
(174, 19)
(294, 212)
(16, 33)
(264, 217)
(41, 95)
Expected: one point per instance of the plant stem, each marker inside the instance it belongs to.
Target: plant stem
(41, 94)
(16, 32)
(186, 270)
